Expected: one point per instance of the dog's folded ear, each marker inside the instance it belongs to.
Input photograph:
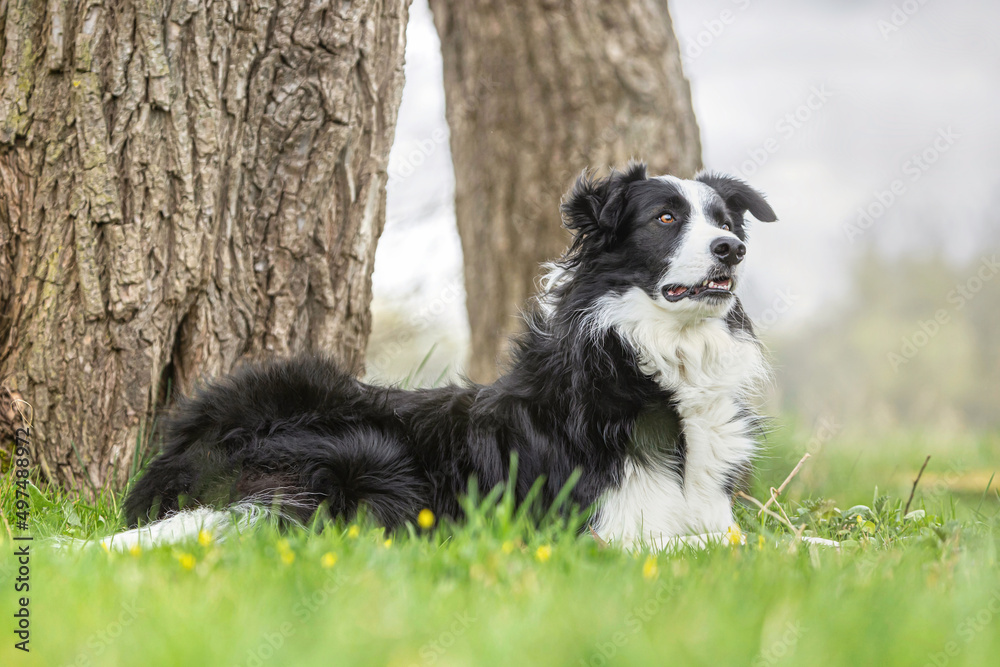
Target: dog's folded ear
(739, 196)
(594, 208)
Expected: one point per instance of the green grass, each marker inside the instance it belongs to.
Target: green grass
(502, 589)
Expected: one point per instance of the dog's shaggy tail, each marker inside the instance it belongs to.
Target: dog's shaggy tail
(286, 436)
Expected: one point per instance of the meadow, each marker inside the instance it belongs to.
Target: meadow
(512, 587)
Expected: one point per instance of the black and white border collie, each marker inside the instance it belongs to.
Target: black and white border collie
(635, 369)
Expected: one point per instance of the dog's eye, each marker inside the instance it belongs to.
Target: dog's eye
(725, 227)
(667, 218)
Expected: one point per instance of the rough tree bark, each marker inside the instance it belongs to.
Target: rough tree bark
(536, 92)
(182, 184)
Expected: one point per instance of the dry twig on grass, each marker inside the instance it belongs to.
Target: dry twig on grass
(597, 538)
(906, 510)
(767, 511)
(777, 492)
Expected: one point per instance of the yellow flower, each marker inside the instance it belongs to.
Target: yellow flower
(425, 519)
(734, 535)
(285, 552)
(136, 550)
(105, 547)
(543, 553)
(204, 538)
(760, 541)
(328, 560)
(650, 571)
(507, 547)
(387, 543)
(187, 561)
(353, 531)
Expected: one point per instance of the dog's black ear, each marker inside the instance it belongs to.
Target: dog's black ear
(594, 208)
(739, 196)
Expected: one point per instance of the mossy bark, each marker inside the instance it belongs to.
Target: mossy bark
(182, 184)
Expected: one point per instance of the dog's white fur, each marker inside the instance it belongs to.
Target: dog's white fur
(694, 259)
(709, 370)
(689, 350)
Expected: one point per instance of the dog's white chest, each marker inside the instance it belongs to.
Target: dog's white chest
(707, 369)
(655, 502)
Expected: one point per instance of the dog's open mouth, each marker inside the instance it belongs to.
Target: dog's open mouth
(718, 286)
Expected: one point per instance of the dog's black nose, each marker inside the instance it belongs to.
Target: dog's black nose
(729, 251)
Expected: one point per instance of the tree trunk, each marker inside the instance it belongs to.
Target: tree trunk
(536, 92)
(183, 184)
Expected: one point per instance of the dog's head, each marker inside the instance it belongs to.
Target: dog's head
(681, 241)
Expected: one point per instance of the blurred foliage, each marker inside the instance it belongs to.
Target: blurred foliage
(915, 345)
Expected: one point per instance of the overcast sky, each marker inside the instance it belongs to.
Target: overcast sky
(830, 107)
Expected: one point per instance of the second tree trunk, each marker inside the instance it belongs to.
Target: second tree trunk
(535, 93)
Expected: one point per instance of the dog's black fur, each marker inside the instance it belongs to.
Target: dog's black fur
(305, 432)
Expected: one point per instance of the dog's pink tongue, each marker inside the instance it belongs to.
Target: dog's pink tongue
(678, 290)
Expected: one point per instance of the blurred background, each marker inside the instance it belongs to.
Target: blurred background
(871, 126)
